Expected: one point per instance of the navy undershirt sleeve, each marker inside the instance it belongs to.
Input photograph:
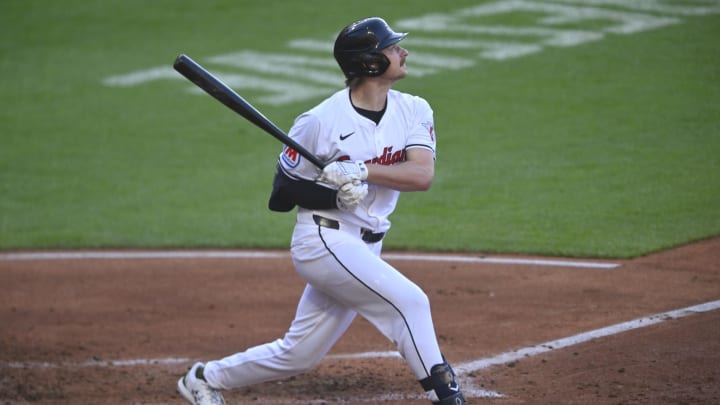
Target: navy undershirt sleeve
(287, 193)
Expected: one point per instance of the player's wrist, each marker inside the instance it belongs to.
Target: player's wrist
(363, 169)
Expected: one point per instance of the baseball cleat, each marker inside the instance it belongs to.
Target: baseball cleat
(197, 391)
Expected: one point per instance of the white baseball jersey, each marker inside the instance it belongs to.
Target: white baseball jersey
(334, 131)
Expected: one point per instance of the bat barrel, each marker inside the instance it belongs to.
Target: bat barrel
(215, 87)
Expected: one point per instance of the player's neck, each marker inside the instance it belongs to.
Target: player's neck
(369, 96)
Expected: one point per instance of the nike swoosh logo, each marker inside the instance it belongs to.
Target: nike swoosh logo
(344, 137)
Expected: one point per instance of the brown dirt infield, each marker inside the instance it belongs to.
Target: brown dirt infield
(65, 321)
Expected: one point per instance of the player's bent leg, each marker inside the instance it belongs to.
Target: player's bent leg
(401, 311)
(442, 381)
(395, 305)
(319, 322)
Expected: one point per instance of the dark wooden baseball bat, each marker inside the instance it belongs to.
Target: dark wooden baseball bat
(223, 93)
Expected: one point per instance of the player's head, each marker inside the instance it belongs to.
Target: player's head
(358, 47)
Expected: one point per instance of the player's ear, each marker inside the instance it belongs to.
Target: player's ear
(375, 64)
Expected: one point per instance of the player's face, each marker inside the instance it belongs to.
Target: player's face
(397, 55)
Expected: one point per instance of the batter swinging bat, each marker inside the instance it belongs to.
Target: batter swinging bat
(220, 91)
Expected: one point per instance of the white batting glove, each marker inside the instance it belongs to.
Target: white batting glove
(351, 194)
(338, 174)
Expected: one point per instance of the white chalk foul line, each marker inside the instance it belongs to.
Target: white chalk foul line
(498, 260)
(97, 363)
(508, 357)
(228, 254)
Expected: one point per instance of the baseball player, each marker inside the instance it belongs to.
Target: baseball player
(380, 142)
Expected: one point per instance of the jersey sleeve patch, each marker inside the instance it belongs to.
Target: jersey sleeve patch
(290, 157)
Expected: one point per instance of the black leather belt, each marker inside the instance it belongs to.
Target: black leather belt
(366, 234)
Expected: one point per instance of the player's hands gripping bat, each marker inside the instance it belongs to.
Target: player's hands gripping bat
(338, 174)
(351, 194)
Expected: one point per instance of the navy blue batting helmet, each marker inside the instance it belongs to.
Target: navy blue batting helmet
(358, 47)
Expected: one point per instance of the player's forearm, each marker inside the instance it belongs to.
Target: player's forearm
(406, 176)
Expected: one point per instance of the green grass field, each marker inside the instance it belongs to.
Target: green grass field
(608, 148)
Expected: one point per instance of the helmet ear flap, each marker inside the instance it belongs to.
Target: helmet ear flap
(373, 63)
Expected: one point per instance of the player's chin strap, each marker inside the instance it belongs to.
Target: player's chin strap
(442, 381)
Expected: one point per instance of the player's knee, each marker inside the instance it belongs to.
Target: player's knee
(418, 301)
